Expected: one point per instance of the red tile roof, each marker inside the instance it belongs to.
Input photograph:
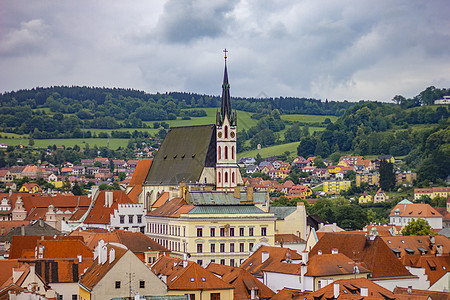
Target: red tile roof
(172, 208)
(414, 242)
(242, 281)
(255, 265)
(141, 171)
(288, 239)
(416, 294)
(100, 214)
(417, 210)
(22, 244)
(292, 294)
(374, 255)
(435, 266)
(333, 264)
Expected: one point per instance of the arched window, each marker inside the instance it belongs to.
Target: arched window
(219, 177)
(220, 153)
(226, 177)
(226, 132)
(232, 152)
(232, 177)
(226, 152)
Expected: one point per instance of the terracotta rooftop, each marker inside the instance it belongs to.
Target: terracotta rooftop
(254, 264)
(410, 293)
(242, 281)
(417, 244)
(100, 214)
(6, 265)
(292, 294)
(414, 210)
(435, 266)
(38, 228)
(141, 171)
(288, 239)
(374, 254)
(21, 244)
(332, 264)
(161, 200)
(172, 208)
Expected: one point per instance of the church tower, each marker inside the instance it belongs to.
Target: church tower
(227, 171)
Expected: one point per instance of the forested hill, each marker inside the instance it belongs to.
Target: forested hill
(119, 103)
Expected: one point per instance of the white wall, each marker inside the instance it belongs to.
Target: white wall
(442, 285)
(278, 281)
(391, 284)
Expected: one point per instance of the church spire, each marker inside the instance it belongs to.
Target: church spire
(225, 109)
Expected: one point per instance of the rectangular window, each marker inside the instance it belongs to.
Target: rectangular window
(250, 231)
(191, 296)
(142, 284)
(213, 260)
(232, 262)
(250, 246)
(130, 219)
(199, 248)
(139, 219)
(215, 296)
(231, 247)
(212, 232)
(213, 248)
(222, 247)
(241, 231)
(74, 297)
(122, 219)
(199, 232)
(200, 262)
(222, 231)
(117, 284)
(231, 231)
(241, 247)
(222, 261)
(263, 231)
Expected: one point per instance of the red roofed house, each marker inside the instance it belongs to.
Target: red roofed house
(116, 271)
(114, 209)
(189, 278)
(34, 172)
(405, 211)
(372, 253)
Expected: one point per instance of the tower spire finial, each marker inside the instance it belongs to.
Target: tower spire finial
(225, 51)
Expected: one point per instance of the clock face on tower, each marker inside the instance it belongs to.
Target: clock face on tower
(219, 134)
(232, 134)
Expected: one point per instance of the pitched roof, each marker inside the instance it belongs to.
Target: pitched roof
(184, 153)
(141, 171)
(255, 265)
(435, 266)
(39, 228)
(219, 197)
(23, 244)
(420, 210)
(281, 212)
(7, 265)
(161, 200)
(137, 242)
(100, 214)
(242, 281)
(333, 264)
(417, 243)
(427, 294)
(287, 293)
(288, 238)
(172, 208)
(351, 289)
(97, 270)
(374, 255)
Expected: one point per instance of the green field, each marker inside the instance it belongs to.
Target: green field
(113, 143)
(271, 151)
(308, 118)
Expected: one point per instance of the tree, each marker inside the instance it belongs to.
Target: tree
(417, 227)
(77, 189)
(318, 162)
(398, 99)
(293, 133)
(387, 175)
(31, 141)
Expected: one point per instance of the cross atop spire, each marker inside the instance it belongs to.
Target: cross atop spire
(225, 51)
(225, 109)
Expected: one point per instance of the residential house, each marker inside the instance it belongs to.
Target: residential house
(336, 186)
(87, 162)
(432, 192)
(246, 161)
(6, 176)
(103, 160)
(116, 272)
(387, 158)
(365, 198)
(34, 172)
(300, 191)
(16, 171)
(290, 219)
(407, 246)
(251, 169)
(189, 278)
(320, 174)
(246, 286)
(91, 171)
(183, 225)
(371, 178)
(349, 160)
(30, 188)
(114, 209)
(409, 293)
(132, 163)
(291, 241)
(372, 253)
(275, 174)
(405, 178)
(145, 248)
(433, 269)
(300, 162)
(406, 211)
(277, 164)
(67, 171)
(78, 170)
(380, 196)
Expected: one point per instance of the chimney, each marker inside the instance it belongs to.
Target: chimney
(250, 194)
(320, 225)
(237, 192)
(264, 256)
(95, 192)
(305, 257)
(335, 290)
(22, 230)
(334, 227)
(181, 186)
(432, 240)
(364, 292)
(41, 223)
(334, 251)
(112, 255)
(109, 198)
(185, 260)
(80, 259)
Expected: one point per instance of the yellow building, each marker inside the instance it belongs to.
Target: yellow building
(336, 186)
(405, 177)
(365, 198)
(335, 169)
(370, 178)
(213, 226)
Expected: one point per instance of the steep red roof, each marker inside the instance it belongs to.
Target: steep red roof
(333, 264)
(141, 171)
(417, 243)
(405, 293)
(100, 214)
(172, 208)
(416, 210)
(374, 254)
(22, 244)
(435, 266)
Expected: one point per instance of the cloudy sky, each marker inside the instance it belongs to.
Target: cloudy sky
(340, 50)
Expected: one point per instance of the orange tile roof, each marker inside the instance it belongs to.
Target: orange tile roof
(374, 255)
(141, 171)
(7, 226)
(21, 244)
(7, 265)
(420, 210)
(254, 263)
(332, 264)
(288, 239)
(435, 266)
(351, 289)
(242, 281)
(161, 200)
(172, 208)
(65, 248)
(425, 294)
(287, 293)
(133, 194)
(414, 242)
(97, 271)
(100, 214)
